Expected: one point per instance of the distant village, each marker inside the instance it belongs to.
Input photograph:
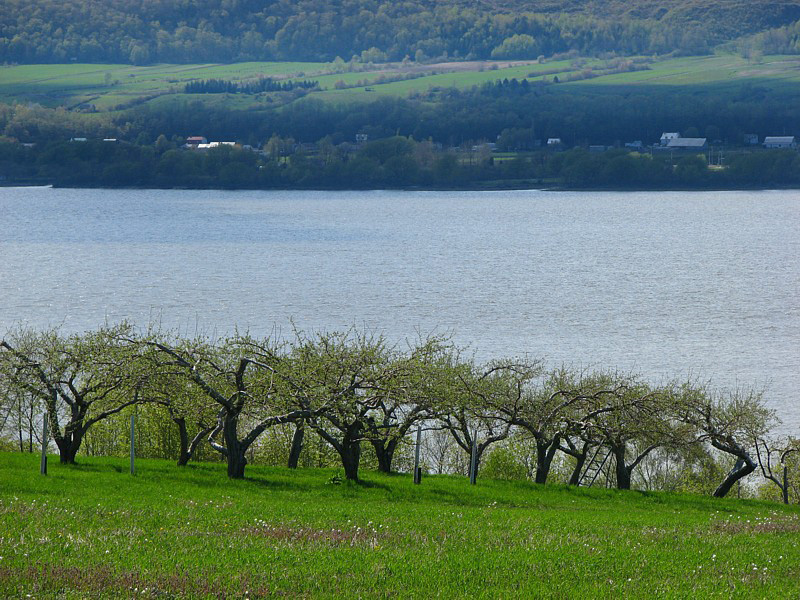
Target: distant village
(671, 142)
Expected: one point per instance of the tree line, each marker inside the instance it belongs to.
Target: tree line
(241, 396)
(256, 86)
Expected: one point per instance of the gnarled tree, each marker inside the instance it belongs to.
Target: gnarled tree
(342, 377)
(541, 403)
(80, 379)
(192, 411)
(473, 399)
(774, 455)
(406, 397)
(731, 422)
(246, 378)
(630, 418)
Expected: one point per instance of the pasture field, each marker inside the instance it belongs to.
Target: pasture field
(700, 70)
(94, 531)
(107, 86)
(116, 87)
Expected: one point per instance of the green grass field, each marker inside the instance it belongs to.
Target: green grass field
(107, 86)
(94, 531)
(111, 87)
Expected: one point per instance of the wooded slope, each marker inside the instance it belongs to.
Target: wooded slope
(148, 31)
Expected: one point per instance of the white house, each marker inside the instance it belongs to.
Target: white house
(780, 141)
(211, 145)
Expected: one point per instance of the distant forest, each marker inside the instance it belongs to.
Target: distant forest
(189, 31)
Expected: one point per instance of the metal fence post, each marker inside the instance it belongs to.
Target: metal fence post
(43, 465)
(133, 424)
(417, 468)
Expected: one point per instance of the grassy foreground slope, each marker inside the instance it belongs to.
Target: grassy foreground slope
(95, 531)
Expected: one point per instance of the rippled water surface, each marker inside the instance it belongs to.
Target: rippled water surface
(663, 283)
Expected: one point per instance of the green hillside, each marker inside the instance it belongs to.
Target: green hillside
(95, 531)
(191, 31)
(116, 87)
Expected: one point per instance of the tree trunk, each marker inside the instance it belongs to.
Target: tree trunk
(385, 453)
(580, 457)
(297, 445)
(187, 453)
(235, 449)
(68, 448)
(622, 471)
(580, 461)
(351, 451)
(183, 452)
(31, 427)
(69, 443)
(384, 461)
(744, 466)
(351, 456)
(236, 464)
(198, 439)
(785, 487)
(545, 451)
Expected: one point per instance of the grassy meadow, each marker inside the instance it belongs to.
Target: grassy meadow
(116, 87)
(94, 531)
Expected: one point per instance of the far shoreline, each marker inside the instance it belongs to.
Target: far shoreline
(516, 185)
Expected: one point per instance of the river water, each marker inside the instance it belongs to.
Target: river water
(667, 283)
